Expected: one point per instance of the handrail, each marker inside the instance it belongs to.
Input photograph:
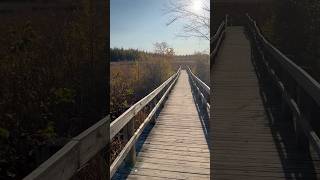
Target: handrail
(218, 38)
(308, 83)
(299, 91)
(126, 119)
(74, 155)
(201, 83)
(202, 90)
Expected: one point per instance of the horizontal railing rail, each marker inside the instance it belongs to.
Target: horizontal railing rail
(75, 154)
(217, 39)
(202, 90)
(125, 121)
(288, 85)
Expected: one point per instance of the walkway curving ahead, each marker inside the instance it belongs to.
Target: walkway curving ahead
(176, 147)
(245, 146)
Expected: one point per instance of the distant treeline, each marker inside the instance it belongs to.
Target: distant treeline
(121, 54)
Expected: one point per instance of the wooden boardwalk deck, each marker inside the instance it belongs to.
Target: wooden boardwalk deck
(245, 146)
(176, 147)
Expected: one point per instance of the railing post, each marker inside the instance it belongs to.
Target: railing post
(129, 132)
(154, 103)
(103, 166)
(226, 20)
(302, 140)
(285, 112)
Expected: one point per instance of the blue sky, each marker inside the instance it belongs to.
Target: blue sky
(139, 24)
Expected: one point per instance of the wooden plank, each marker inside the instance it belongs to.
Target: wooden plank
(177, 156)
(169, 174)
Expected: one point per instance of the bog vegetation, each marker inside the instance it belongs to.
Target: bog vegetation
(53, 81)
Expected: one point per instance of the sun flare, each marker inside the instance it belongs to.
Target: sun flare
(196, 5)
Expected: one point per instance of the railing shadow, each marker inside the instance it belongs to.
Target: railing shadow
(124, 170)
(296, 164)
(202, 113)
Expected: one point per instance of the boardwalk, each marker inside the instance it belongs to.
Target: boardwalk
(264, 122)
(176, 146)
(245, 146)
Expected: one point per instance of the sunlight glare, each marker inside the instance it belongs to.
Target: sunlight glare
(196, 6)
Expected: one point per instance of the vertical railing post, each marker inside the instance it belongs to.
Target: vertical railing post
(226, 20)
(129, 132)
(285, 112)
(153, 104)
(302, 140)
(203, 103)
(103, 166)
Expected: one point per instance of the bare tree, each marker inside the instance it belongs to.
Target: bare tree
(194, 14)
(163, 49)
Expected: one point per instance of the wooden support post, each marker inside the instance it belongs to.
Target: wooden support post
(285, 112)
(203, 102)
(107, 160)
(302, 139)
(103, 167)
(198, 95)
(313, 116)
(154, 103)
(162, 104)
(131, 157)
(226, 21)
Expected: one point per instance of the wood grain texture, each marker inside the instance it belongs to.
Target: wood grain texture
(244, 144)
(176, 147)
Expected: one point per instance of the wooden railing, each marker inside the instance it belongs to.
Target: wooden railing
(217, 40)
(201, 90)
(126, 122)
(288, 87)
(75, 154)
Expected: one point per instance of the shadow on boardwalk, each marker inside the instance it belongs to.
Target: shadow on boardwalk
(247, 144)
(296, 163)
(124, 170)
(203, 116)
